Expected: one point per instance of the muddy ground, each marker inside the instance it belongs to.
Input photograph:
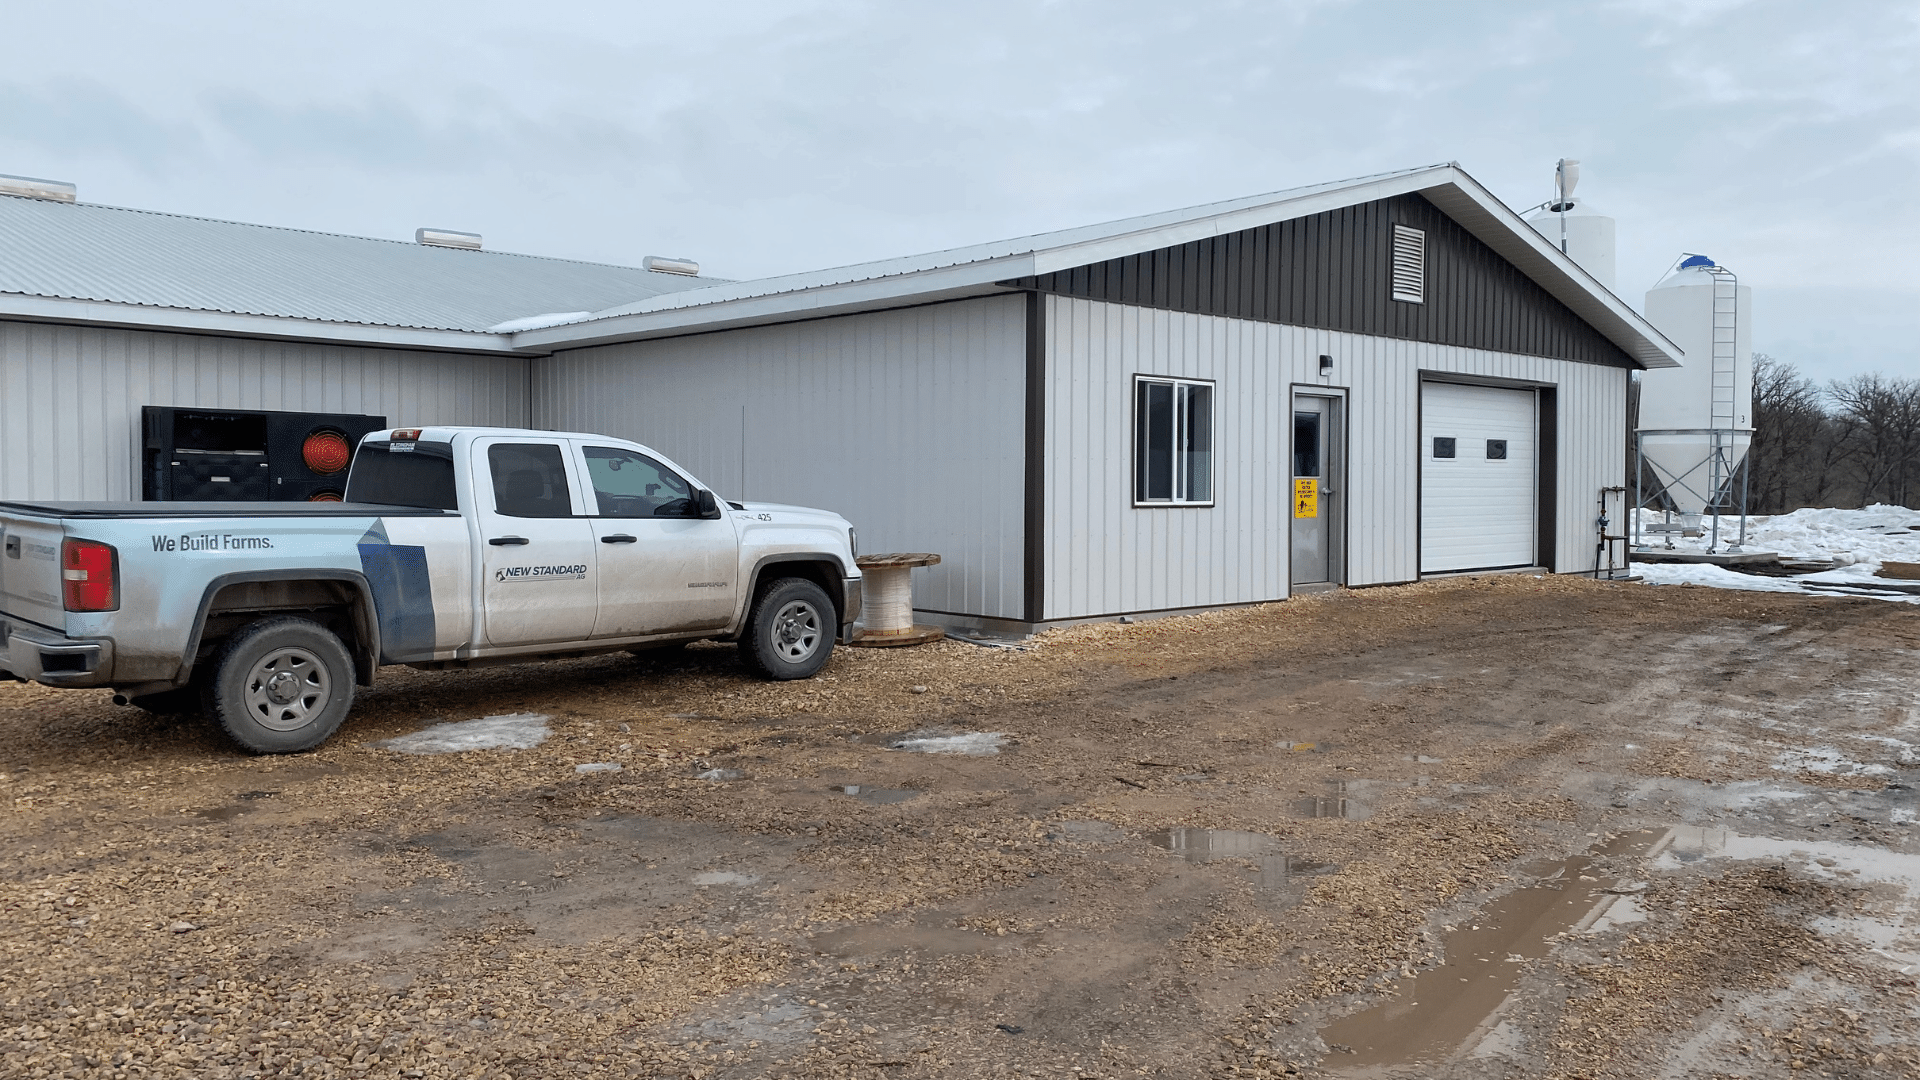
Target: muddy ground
(1500, 827)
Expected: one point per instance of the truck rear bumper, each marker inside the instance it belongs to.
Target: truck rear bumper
(46, 657)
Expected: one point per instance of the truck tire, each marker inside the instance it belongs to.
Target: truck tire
(790, 630)
(281, 686)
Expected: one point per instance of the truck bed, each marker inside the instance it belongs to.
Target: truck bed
(217, 509)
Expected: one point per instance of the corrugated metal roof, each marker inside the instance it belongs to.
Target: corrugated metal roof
(85, 251)
(977, 270)
(998, 249)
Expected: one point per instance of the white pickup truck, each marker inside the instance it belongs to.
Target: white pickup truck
(455, 546)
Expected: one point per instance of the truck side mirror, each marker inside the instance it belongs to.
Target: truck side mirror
(705, 503)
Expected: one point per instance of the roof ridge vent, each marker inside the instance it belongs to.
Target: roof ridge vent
(447, 238)
(660, 264)
(35, 188)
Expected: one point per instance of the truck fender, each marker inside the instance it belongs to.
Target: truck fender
(366, 619)
(846, 604)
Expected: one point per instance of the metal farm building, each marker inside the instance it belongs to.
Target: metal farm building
(1352, 384)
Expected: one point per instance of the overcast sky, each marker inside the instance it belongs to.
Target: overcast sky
(1779, 138)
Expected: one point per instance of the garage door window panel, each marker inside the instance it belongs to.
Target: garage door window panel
(1173, 442)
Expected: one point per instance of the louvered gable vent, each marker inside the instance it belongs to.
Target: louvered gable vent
(1409, 264)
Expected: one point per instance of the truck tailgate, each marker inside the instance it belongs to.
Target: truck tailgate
(30, 570)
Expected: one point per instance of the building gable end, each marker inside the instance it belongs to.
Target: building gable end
(1335, 271)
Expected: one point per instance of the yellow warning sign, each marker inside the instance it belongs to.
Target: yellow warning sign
(1306, 497)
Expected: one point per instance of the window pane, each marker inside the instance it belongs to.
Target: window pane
(1197, 453)
(421, 476)
(529, 480)
(630, 484)
(1442, 446)
(1154, 437)
(1306, 444)
(1496, 449)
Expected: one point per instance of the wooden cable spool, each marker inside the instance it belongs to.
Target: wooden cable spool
(886, 604)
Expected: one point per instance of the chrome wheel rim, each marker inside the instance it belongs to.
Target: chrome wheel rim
(796, 631)
(288, 689)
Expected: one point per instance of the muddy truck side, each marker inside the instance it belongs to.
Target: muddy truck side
(455, 546)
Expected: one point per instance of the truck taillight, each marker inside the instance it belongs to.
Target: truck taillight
(90, 574)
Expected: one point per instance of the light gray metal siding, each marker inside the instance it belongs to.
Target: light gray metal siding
(70, 396)
(1104, 556)
(907, 422)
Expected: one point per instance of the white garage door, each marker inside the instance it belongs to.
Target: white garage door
(1478, 460)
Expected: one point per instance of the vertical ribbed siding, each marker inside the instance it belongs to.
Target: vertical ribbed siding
(70, 396)
(1107, 557)
(908, 422)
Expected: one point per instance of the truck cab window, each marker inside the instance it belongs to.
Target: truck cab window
(416, 474)
(627, 483)
(529, 480)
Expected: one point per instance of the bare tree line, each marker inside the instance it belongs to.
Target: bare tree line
(1852, 442)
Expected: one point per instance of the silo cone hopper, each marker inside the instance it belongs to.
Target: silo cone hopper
(1697, 468)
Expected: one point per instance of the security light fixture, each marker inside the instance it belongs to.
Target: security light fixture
(1326, 363)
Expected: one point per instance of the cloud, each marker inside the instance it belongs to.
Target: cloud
(768, 136)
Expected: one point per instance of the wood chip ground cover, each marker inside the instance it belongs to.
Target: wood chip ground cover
(171, 908)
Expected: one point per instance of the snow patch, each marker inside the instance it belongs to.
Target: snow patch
(1825, 759)
(507, 731)
(538, 322)
(1858, 540)
(972, 743)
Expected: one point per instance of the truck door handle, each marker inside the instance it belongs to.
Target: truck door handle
(618, 538)
(507, 541)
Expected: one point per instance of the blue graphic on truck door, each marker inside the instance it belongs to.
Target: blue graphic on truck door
(403, 593)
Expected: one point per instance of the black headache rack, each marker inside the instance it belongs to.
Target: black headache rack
(248, 455)
(99, 510)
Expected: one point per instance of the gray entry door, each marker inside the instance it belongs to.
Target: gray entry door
(1318, 526)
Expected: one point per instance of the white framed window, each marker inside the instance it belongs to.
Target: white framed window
(1172, 441)
(1409, 265)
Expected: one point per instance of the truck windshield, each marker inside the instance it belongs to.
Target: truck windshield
(404, 474)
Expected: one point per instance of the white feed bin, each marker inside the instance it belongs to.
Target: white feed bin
(1704, 310)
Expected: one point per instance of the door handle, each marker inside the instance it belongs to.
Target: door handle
(508, 541)
(618, 538)
(1328, 491)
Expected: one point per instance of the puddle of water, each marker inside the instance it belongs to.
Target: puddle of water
(508, 731)
(1825, 859)
(1432, 1015)
(228, 813)
(934, 741)
(1888, 931)
(877, 795)
(1340, 804)
(724, 877)
(1095, 832)
(1276, 868)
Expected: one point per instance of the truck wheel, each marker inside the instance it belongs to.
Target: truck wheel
(281, 686)
(789, 631)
